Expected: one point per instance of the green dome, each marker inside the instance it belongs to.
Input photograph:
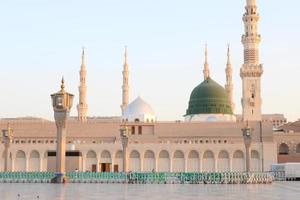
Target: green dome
(207, 98)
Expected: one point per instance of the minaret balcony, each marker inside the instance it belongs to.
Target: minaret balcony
(251, 38)
(251, 70)
(251, 18)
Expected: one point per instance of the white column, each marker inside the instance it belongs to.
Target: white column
(142, 163)
(185, 164)
(41, 164)
(83, 163)
(171, 164)
(112, 165)
(230, 163)
(201, 163)
(27, 163)
(216, 164)
(97, 165)
(12, 163)
(156, 164)
(45, 162)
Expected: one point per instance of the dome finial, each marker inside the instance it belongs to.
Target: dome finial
(62, 86)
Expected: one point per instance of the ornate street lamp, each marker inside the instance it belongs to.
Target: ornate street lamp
(62, 104)
(247, 135)
(7, 137)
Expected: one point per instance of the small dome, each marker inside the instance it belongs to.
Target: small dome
(209, 98)
(138, 110)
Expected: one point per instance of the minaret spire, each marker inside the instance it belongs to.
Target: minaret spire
(206, 72)
(125, 57)
(229, 83)
(83, 62)
(82, 106)
(125, 86)
(252, 70)
(228, 55)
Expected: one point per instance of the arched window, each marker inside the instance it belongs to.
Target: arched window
(140, 130)
(132, 130)
(298, 148)
(283, 149)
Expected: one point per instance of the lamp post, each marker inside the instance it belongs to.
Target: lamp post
(124, 133)
(62, 103)
(247, 135)
(7, 135)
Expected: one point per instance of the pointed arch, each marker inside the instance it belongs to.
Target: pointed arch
(164, 161)
(283, 149)
(91, 161)
(34, 161)
(193, 164)
(178, 161)
(20, 162)
(105, 157)
(208, 161)
(149, 161)
(223, 161)
(118, 161)
(135, 161)
(255, 161)
(238, 161)
(298, 148)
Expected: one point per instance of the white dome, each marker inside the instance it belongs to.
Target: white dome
(138, 110)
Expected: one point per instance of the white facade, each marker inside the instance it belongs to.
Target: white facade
(158, 157)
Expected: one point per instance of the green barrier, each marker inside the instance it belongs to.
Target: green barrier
(144, 177)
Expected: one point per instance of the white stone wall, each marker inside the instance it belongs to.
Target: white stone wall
(148, 157)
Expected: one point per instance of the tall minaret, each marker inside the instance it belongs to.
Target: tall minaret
(251, 70)
(206, 72)
(229, 84)
(82, 106)
(125, 86)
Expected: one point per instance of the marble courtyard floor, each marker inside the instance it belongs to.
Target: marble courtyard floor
(277, 190)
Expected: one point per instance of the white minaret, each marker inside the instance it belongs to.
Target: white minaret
(125, 86)
(206, 72)
(251, 70)
(229, 84)
(82, 106)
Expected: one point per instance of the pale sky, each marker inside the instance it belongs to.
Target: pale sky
(41, 40)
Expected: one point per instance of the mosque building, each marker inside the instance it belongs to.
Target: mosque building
(210, 137)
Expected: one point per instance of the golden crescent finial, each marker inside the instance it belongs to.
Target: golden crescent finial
(62, 84)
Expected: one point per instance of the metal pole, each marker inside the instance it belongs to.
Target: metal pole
(6, 152)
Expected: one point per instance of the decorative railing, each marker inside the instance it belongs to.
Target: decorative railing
(171, 178)
(278, 175)
(31, 177)
(143, 177)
